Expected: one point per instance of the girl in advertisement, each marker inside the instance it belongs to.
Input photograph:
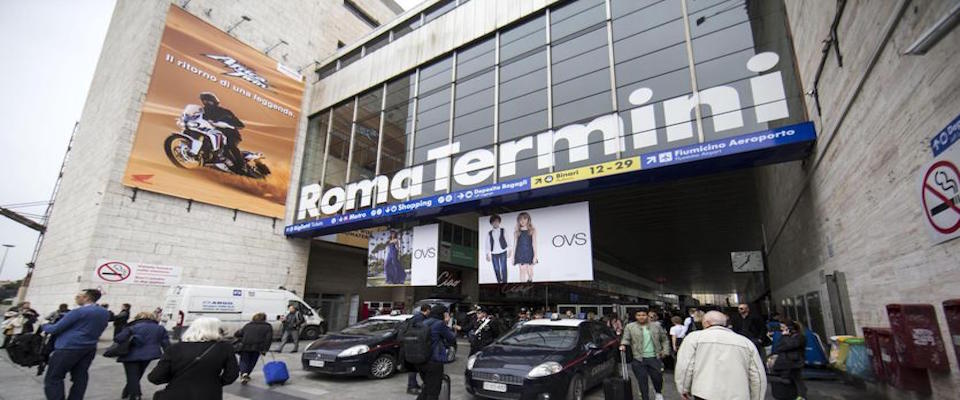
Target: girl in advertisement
(525, 246)
(392, 267)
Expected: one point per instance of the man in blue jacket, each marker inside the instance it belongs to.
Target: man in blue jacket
(441, 336)
(412, 386)
(75, 346)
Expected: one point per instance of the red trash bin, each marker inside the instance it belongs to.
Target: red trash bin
(873, 350)
(917, 334)
(951, 308)
(903, 377)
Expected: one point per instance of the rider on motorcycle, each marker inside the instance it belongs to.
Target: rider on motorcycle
(228, 123)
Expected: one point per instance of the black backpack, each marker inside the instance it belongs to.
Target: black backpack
(26, 350)
(417, 343)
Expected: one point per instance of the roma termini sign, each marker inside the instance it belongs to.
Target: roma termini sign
(383, 196)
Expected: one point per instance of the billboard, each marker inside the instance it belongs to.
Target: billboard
(403, 257)
(541, 245)
(219, 121)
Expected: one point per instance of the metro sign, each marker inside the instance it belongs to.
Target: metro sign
(476, 166)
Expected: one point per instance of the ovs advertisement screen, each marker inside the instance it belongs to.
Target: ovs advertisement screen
(541, 245)
(219, 121)
(403, 257)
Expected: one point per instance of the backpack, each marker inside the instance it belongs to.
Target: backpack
(417, 343)
(26, 350)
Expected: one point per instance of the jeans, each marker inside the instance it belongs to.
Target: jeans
(651, 367)
(432, 375)
(134, 371)
(500, 266)
(74, 361)
(412, 381)
(290, 336)
(248, 360)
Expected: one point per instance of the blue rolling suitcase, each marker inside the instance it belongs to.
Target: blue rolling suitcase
(275, 372)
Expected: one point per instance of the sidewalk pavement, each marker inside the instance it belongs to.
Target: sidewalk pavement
(107, 380)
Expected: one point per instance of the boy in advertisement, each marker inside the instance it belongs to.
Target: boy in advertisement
(499, 249)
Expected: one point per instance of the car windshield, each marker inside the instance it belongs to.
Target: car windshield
(550, 337)
(371, 327)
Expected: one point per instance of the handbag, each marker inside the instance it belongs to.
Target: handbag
(161, 394)
(119, 349)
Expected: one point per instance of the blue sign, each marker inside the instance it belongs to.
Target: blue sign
(803, 132)
(946, 137)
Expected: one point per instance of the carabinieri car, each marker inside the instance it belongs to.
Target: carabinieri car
(544, 359)
(368, 348)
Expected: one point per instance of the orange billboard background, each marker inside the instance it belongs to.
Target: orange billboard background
(271, 115)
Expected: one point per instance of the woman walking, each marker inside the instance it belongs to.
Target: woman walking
(148, 340)
(525, 246)
(790, 356)
(254, 340)
(198, 367)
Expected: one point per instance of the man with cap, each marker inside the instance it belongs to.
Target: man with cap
(485, 331)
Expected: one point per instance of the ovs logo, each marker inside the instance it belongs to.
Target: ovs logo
(427, 253)
(567, 240)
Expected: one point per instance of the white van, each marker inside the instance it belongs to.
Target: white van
(235, 307)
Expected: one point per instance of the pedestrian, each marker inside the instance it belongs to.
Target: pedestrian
(484, 331)
(148, 341)
(75, 346)
(649, 344)
(717, 364)
(688, 325)
(30, 317)
(790, 356)
(677, 332)
(412, 386)
(291, 329)
(11, 324)
(55, 316)
(106, 306)
(441, 337)
(157, 312)
(254, 340)
(613, 322)
(121, 318)
(749, 325)
(198, 367)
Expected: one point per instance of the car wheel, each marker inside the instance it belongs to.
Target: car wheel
(310, 333)
(577, 388)
(383, 367)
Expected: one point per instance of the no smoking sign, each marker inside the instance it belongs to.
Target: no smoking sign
(113, 272)
(940, 197)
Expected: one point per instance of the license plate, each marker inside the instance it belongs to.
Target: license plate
(316, 363)
(495, 387)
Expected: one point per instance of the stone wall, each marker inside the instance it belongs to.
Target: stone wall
(853, 205)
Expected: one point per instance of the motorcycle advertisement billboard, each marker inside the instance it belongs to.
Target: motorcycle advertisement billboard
(403, 257)
(550, 244)
(219, 121)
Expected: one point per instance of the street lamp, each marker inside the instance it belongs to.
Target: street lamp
(5, 251)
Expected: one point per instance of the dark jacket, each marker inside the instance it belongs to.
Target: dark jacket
(255, 336)
(204, 380)
(149, 340)
(293, 321)
(790, 351)
(482, 337)
(120, 320)
(220, 114)
(441, 337)
(752, 327)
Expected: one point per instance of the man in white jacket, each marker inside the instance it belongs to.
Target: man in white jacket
(717, 364)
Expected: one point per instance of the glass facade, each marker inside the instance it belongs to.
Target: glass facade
(586, 68)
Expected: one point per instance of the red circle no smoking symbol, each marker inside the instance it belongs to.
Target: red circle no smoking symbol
(941, 197)
(113, 271)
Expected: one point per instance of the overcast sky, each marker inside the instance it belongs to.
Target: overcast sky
(50, 50)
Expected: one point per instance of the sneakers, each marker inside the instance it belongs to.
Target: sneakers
(658, 396)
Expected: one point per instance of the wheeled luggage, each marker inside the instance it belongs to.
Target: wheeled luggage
(618, 387)
(275, 372)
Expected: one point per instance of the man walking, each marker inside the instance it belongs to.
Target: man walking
(750, 326)
(441, 337)
(649, 344)
(75, 346)
(120, 320)
(291, 329)
(412, 386)
(717, 364)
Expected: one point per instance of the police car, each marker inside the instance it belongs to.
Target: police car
(367, 348)
(544, 359)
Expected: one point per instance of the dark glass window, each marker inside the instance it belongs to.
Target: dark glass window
(350, 57)
(376, 43)
(367, 135)
(336, 170)
(473, 106)
(523, 90)
(439, 9)
(398, 125)
(406, 27)
(313, 148)
(651, 63)
(326, 70)
(447, 235)
(433, 118)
